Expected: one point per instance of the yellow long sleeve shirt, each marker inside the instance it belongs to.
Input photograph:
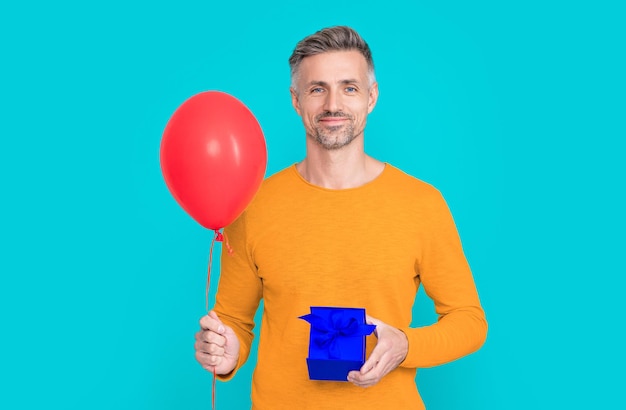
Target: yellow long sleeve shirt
(299, 245)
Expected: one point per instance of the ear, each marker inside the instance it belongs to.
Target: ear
(294, 100)
(373, 97)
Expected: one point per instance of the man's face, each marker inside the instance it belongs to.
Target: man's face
(333, 96)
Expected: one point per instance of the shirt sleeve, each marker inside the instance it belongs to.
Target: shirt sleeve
(443, 270)
(239, 290)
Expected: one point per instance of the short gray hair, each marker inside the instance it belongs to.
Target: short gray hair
(338, 38)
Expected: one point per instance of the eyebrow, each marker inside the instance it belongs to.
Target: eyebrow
(325, 84)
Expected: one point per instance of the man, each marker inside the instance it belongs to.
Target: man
(340, 229)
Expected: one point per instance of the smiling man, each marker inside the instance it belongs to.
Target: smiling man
(311, 237)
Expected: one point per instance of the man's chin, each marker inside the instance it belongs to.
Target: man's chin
(333, 145)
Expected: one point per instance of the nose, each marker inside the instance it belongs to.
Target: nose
(333, 101)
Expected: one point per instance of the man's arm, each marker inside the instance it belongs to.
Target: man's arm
(238, 296)
(445, 274)
(461, 328)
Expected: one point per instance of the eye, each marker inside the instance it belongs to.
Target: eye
(351, 89)
(317, 90)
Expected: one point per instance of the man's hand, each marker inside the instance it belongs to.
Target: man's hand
(217, 346)
(390, 350)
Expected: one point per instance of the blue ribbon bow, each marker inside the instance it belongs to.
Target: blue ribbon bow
(329, 331)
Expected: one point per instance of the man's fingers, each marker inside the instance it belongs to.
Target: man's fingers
(220, 326)
(212, 322)
(371, 362)
(370, 374)
(214, 338)
(385, 356)
(364, 380)
(209, 348)
(208, 336)
(208, 361)
(216, 345)
(372, 320)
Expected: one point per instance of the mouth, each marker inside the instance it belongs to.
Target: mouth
(333, 120)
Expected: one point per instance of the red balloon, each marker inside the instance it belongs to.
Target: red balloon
(213, 157)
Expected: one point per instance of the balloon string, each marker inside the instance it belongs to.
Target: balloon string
(208, 276)
(213, 388)
(217, 237)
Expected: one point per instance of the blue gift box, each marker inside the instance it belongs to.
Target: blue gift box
(337, 341)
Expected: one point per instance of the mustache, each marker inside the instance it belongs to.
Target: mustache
(333, 114)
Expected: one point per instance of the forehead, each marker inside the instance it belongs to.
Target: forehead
(333, 66)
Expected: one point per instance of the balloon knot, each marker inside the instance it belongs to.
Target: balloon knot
(219, 237)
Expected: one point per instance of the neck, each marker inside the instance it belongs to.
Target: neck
(348, 167)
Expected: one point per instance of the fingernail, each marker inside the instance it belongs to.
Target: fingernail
(221, 329)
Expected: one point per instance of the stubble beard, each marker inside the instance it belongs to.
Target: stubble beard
(334, 137)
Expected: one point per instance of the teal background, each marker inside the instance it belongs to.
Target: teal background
(514, 110)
